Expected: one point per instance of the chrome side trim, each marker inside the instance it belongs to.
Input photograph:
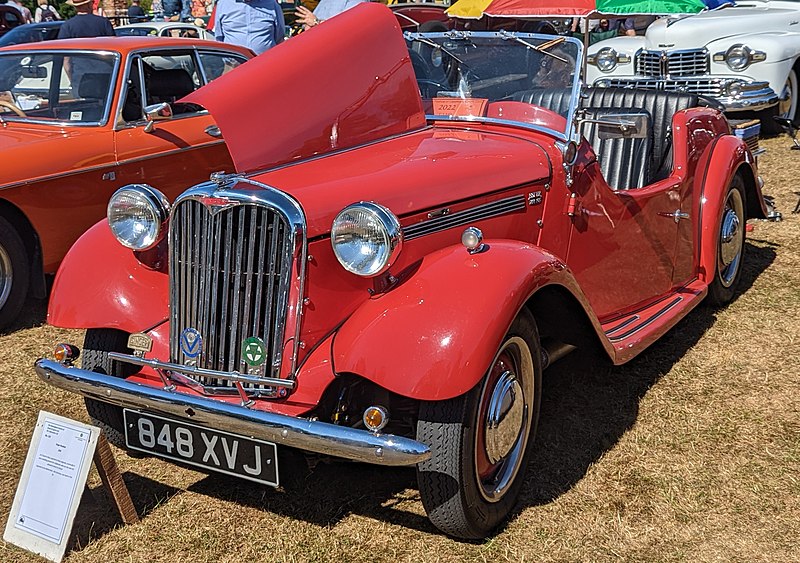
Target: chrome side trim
(471, 215)
(647, 321)
(308, 435)
(622, 325)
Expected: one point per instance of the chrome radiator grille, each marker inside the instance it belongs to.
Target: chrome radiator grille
(663, 64)
(704, 86)
(230, 272)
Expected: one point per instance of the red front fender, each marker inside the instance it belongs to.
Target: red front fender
(101, 284)
(434, 336)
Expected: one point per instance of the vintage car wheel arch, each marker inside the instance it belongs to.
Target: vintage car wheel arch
(718, 177)
(115, 292)
(420, 341)
(30, 239)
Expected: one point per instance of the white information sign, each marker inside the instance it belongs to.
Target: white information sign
(51, 486)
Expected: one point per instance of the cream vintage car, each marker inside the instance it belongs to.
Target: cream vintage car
(744, 56)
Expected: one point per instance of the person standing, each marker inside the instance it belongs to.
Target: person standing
(85, 23)
(26, 13)
(256, 24)
(326, 9)
(135, 12)
(46, 13)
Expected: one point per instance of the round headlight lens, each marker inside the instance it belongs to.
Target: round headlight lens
(606, 59)
(137, 214)
(366, 238)
(738, 57)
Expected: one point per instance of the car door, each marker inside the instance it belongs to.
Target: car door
(622, 245)
(175, 153)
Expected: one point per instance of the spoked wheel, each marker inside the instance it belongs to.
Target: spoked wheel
(730, 248)
(481, 441)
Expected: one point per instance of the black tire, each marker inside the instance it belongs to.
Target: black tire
(731, 233)
(14, 273)
(94, 357)
(466, 492)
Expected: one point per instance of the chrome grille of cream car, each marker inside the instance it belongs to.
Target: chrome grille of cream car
(664, 64)
(703, 86)
(230, 270)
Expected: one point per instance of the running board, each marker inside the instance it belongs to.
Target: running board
(630, 334)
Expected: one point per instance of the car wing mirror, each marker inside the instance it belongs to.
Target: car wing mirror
(620, 125)
(156, 112)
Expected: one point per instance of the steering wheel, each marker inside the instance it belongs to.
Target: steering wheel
(13, 107)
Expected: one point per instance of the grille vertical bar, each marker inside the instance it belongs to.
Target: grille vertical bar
(230, 273)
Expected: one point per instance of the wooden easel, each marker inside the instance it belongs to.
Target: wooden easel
(112, 480)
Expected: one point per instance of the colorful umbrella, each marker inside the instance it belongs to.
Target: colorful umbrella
(474, 9)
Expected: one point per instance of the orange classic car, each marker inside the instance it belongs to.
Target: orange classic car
(77, 121)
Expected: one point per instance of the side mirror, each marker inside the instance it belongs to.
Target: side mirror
(632, 125)
(156, 112)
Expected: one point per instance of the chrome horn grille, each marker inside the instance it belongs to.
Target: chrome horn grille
(232, 254)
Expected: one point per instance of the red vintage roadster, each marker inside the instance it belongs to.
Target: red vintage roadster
(74, 127)
(384, 277)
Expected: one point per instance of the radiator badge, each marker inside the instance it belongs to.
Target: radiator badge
(191, 342)
(254, 353)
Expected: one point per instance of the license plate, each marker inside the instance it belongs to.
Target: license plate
(223, 452)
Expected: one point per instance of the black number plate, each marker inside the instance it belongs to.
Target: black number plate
(232, 454)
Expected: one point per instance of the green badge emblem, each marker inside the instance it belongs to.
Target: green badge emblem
(254, 353)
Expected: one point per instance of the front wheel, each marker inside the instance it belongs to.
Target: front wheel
(14, 273)
(481, 441)
(730, 245)
(96, 346)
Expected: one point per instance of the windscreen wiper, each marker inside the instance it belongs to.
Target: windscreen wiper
(543, 48)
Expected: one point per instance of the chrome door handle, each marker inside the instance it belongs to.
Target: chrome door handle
(676, 215)
(213, 130)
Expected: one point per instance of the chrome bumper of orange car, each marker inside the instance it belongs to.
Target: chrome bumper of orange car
(308, 435)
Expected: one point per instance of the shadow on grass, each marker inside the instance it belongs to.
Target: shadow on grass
(34, 313)
(586, 409)
(98, 515)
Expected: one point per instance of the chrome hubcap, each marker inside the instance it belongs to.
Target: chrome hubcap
(6, 276)
(504, 419)
(785, 108)
(731, 238)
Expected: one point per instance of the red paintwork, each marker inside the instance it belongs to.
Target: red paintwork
(431, 329)
(419, 334)
(53, 174)
(359, 107)
(128, 295)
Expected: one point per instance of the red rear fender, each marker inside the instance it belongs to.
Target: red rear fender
(101, 284)
(729, 156)
(434, 336)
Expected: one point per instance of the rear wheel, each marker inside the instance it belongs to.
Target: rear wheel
(730, 246)
(481, 441)
(96, 346)
(14, 273)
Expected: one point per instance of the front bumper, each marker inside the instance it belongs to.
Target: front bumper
(309, 435)
(736, 94)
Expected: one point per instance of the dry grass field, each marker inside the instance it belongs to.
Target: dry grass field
(689, 453)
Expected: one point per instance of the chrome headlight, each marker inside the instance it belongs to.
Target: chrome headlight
(137, 215)
(366, 238)
(606, 59)
(738, 57)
